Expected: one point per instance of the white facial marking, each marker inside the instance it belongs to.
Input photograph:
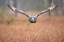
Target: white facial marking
(32, 18)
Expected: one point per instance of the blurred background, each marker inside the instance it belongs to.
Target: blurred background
(15, 27)
(31, 7)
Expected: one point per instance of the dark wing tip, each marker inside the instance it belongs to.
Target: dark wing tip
(8, 5)
(11, 7)
(56, 5)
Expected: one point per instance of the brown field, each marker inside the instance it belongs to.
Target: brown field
(46, 29)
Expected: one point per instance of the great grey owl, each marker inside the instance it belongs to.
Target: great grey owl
(32, 19)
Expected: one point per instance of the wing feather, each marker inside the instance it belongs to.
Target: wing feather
(17, 10)
(47, 10)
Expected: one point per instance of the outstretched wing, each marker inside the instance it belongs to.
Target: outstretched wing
(17, 10)
(47, 10)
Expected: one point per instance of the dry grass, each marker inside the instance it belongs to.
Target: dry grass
(46, 29)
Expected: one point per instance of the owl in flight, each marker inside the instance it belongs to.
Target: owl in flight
(32, 19)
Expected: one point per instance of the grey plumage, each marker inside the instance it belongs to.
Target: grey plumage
(32, 19)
